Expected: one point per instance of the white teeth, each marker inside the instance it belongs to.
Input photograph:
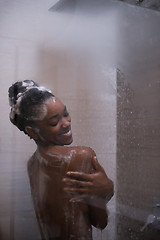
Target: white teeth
(68, 133)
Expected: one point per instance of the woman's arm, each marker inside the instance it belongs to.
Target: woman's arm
(98, 212)
(95, 189)
(101, 192)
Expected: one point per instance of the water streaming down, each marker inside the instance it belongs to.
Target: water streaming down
(138, 126)
(84, 53)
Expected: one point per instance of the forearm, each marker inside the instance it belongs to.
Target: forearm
(95, 189)
(98, 212)
(108, 191)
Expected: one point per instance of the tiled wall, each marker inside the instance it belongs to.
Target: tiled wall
(73, 55)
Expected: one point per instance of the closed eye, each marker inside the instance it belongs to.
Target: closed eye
(57, 117)
(66, 114)
(53, 124)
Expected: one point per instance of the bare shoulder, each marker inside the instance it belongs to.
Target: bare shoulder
(31, 163)
(78, 158)
(84, 151)
(81, 159)
(64, 151)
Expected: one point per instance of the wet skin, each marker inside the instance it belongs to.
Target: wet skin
(55, 128)
(69, 187)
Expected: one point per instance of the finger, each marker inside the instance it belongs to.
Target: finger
(80, 176)
(72, 182)
(76, 190)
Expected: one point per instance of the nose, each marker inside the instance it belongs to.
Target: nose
(66, 122)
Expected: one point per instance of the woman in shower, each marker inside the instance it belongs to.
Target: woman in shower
(69, 187)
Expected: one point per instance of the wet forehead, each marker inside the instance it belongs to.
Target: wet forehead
(54, 108)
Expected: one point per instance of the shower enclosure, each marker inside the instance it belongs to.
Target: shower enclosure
(102, 58)
(138, 125)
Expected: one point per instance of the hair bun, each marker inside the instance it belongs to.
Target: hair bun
(27, 100)
(19, 88)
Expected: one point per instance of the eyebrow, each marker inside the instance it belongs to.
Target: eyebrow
(56, 115)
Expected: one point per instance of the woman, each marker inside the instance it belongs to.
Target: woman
(69, 187)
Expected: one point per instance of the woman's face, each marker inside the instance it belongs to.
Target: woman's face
(55, 128)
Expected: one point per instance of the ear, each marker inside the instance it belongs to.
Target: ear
(32, 132)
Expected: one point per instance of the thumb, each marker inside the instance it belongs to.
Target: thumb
(96, 164)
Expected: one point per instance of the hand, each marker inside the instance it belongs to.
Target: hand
(82, 185)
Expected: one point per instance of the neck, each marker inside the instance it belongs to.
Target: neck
(46, 148)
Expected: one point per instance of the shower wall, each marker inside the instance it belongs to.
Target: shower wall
(73, 54)
(21, 39)
(138, 123)
(152, 4)
(102, 60)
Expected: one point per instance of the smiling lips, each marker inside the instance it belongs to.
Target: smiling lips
(67, 134)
